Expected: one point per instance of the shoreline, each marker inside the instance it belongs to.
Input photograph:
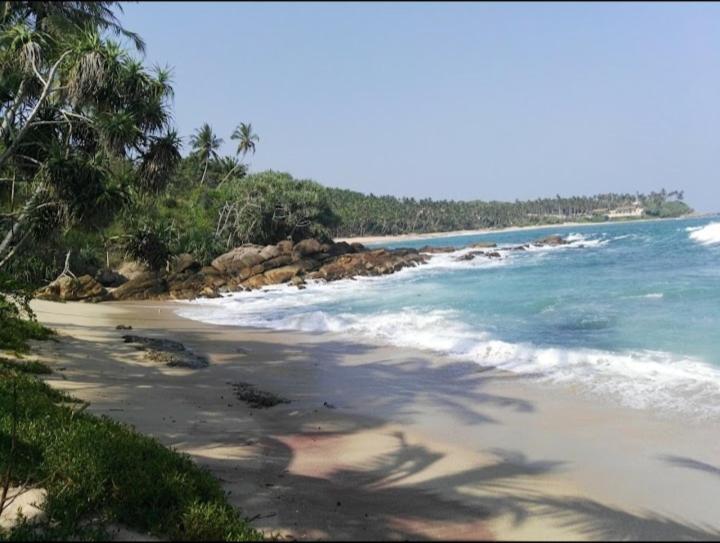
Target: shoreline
(374, 240)
(445, 450)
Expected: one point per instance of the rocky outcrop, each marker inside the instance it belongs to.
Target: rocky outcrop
(551, 241)
(142, 287)
(483, 245)
(185, 262)
(109, 278)
(132, 269)
(432, 250)
(73, 289)
(254, 266)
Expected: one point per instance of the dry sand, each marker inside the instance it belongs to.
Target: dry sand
(411, 446)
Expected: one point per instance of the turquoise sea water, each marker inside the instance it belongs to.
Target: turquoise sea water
(628, 310)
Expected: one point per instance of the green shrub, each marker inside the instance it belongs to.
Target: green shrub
(97, 471)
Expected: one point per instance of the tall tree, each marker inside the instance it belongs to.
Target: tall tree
(246, 138)
(205, 146)
(81, 119)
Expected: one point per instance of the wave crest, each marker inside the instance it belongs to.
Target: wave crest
(706, 235)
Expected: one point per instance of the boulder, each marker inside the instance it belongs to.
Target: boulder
(132, 269)
(270, 251)
(281, 275)
(433, 250)
(551, 240)
(338, 249)
(483, 245)
(233, 261)
(285, 247)
(469, 256)
(71, 289)
(357, 247)
(109, 278)
(142, 287)
(307, 247)
(185, 262)
(256, 281)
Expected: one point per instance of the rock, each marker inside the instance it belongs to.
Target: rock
(255, 398)
(281, 275)
(357, 247)
(109, 278)
(307, 247)
(144, 286)
(297, 281)
(432, 250)
(484, 245)
(280, 260)
(233, 261)
(468, 256)
(285, 247)
(270, 251)
(493, 254)
(123, 327)
(551, 241)
(185, 262)
(132, 269)
(171, 353)
(71, 289)
(338, 249)
(256, 281)
(209, 271)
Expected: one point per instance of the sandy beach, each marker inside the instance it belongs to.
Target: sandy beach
(387, 443)
(375, 240)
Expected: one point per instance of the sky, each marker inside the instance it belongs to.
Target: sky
(461, 100)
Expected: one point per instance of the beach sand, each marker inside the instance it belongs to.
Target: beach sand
(387, 443)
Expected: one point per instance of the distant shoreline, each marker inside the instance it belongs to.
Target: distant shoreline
(458, 233)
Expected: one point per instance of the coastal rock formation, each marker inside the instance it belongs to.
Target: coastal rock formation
(251, 267)
(109, 278)
(551, 241)
(432, 250)
(142, 287)
(73, 289)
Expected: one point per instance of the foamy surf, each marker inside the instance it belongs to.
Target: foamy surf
(599, 313)
(706, 235)
(642, 379)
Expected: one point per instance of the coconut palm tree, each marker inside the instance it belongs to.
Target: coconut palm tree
(205, 146)
(243, 132)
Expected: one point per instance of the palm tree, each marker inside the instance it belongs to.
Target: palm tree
(205, 145)
(244, 133)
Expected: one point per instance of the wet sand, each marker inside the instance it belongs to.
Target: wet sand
(388, 443)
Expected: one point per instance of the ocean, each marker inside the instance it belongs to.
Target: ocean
(629, 311)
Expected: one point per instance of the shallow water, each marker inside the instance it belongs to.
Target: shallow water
(627, 310)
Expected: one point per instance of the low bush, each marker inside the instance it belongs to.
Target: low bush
(97, 471)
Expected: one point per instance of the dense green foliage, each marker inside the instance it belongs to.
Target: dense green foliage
(17, 324)
(362, 215)
(97, 471)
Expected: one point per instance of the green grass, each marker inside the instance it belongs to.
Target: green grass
(15, 333)
(98, 471)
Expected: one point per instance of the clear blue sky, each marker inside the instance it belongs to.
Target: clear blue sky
(490, 101)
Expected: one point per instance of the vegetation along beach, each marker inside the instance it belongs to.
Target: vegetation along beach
(196, 344)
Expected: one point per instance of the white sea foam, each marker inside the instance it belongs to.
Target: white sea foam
(639, 379)
(706, 235)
